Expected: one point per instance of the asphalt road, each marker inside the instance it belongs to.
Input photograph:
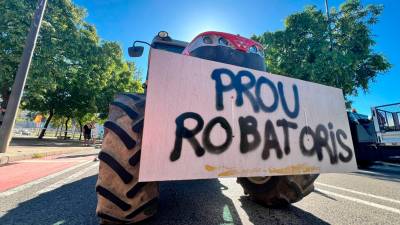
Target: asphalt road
(68, 197)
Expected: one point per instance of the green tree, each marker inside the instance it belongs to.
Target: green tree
(15, 17)
(74, 75)
(53, 61)
(338, 52)
(119, 77)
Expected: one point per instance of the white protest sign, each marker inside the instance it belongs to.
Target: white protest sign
(205, 119)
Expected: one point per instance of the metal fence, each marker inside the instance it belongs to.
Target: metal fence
(30, 129)
(388, 117)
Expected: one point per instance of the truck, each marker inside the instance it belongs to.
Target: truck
(123, 198)
(376, 138)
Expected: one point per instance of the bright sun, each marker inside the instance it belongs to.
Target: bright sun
(198, 26)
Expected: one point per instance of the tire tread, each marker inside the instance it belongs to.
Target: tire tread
(126, 124)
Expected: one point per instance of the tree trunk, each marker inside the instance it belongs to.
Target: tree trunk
(43, 132)
(74, 129)
(61, 129)
(66, 128)
(81, 129)
(58, 128)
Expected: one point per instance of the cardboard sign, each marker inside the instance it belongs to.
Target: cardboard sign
(206, 119)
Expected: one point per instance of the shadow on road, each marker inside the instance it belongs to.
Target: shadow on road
(25, 141)
(260, 215)
(201, 202)
(324, 195)
(194, 202)
(74, 203)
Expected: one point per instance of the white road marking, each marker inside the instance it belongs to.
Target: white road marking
(379, 206)
(38, 181)
(243, 216)
(67, 179)
(52, 161)
(359, 193)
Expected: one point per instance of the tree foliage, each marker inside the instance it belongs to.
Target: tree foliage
(338, 52)
(74, 74)
(15, 17)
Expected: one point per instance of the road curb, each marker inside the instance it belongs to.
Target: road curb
(6, 159)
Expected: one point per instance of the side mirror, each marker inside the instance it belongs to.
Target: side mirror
(135, 51)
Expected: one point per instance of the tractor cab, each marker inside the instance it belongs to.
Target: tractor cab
(211, 45)
(227, 48)
(161, 41)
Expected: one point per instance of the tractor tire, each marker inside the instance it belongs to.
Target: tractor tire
(121, 198)
(278, 191)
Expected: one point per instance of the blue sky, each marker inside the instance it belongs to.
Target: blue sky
(127, 20)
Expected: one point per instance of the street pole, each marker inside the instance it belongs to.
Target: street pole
(327, 8)
(329, 23)
(330, 34)
(20, 79)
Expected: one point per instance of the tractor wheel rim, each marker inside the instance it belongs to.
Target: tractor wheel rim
(259, 180)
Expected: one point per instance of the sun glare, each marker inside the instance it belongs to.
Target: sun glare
(204, 24)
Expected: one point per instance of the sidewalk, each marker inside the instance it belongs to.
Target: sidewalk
(28, 148)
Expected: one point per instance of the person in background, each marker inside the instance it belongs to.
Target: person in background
(2, 112)
(87, 134)
(3, 106)
(95, 133)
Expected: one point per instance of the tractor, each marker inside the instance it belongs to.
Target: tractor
(122, 199)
